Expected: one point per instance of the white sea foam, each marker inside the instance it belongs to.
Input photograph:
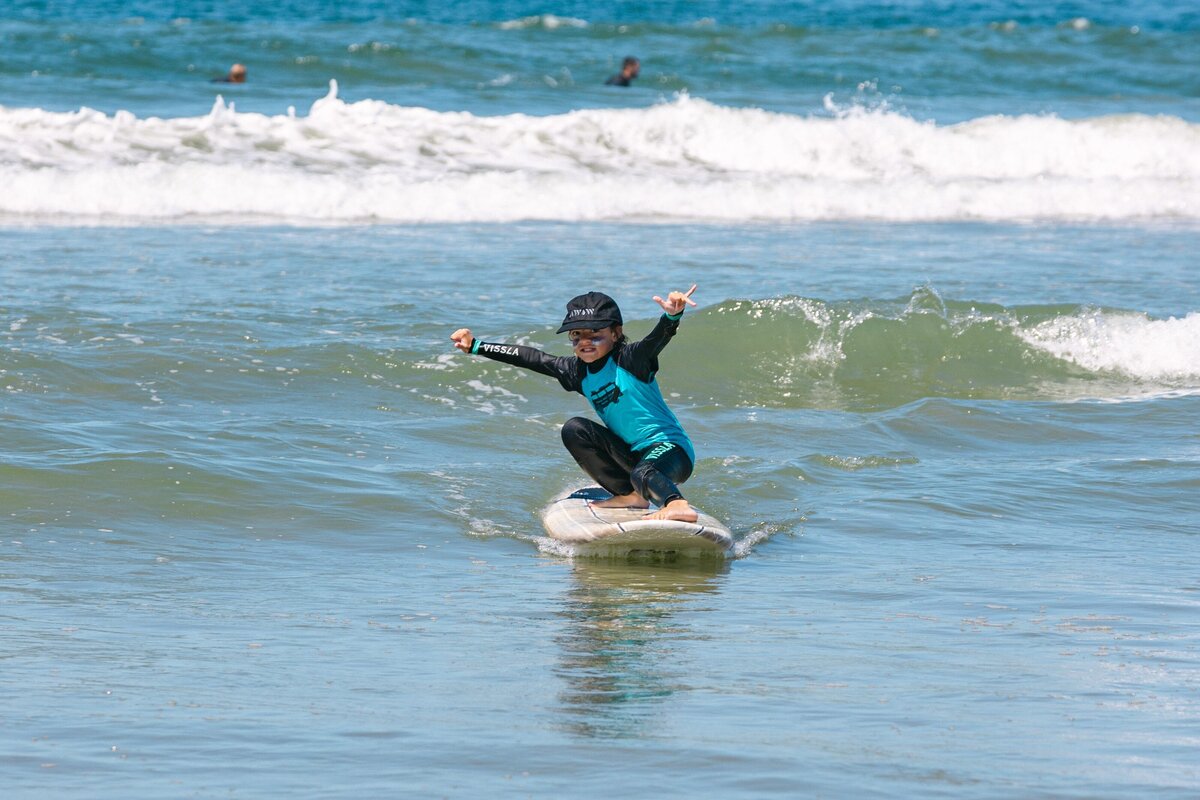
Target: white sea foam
(686, 159)
(547, 21)
(1129, 344)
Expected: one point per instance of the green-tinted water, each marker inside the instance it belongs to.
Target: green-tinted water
(259, 514)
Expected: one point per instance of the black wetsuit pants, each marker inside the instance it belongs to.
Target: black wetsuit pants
(653, 473)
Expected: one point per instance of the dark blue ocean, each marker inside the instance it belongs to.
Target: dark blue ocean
(264, 532)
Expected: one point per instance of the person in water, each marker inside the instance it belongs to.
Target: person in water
(237, 74)
(630, 68)
(640, 454)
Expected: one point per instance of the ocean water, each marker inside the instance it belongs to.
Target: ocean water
(262, 530)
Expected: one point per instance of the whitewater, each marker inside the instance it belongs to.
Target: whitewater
(682, 159)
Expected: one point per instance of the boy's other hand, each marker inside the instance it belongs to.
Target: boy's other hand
(463, 339)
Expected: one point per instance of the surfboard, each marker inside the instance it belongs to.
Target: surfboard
(624, 532)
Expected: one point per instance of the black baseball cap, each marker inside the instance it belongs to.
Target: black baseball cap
(594, 310)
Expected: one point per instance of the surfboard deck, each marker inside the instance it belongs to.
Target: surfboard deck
(624, 532)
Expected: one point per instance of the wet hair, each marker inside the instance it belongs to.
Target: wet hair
(629, 61)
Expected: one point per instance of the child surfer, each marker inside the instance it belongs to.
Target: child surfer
(641, 453)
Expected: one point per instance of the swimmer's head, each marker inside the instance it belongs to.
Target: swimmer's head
(237, 73)
(630, 67)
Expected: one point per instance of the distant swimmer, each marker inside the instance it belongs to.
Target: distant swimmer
(629, 70)
(237, 74)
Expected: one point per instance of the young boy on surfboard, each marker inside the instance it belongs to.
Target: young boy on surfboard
(641, 453)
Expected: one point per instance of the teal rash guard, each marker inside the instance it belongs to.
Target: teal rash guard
(621, 386)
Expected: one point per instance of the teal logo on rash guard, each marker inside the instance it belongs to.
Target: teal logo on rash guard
(659, 451)
(605, 396)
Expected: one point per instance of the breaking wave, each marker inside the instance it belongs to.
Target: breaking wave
(687, 159)
(887, 353)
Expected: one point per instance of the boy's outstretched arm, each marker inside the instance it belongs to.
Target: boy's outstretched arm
(641, 358)
(520, 356)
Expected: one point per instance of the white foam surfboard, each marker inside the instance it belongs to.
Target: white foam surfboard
(617, 532)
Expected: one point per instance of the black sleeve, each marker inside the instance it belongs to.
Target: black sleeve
(641, 358)
(564, 369)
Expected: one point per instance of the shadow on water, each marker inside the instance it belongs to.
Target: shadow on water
(621, 649)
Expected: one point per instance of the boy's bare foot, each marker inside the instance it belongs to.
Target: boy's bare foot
(631, 500)
(677, 510)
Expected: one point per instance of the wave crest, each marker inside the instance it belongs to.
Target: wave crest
(685, 159)
(887, 353)
(546, 21)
